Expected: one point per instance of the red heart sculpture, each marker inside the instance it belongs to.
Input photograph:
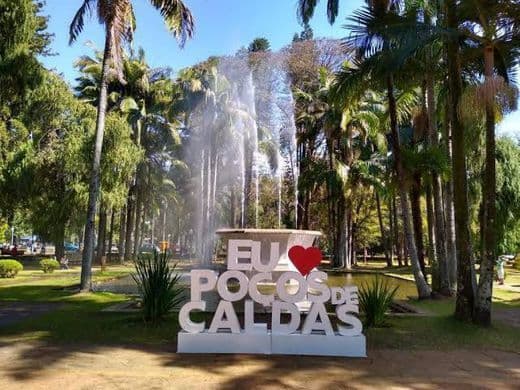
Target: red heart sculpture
(305, 259)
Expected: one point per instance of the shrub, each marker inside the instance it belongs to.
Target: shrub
(158, 285)
(375, 300)
(49, 265)
(9, 268)
(516, 263)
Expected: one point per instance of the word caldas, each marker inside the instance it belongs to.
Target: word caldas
(245, 272)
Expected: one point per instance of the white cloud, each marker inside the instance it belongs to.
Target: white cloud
(510, 125)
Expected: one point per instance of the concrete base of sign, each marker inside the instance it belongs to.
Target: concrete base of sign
(223, 343)
(319, 345)
(276, 344)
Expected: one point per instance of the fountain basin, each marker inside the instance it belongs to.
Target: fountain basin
(287, 238)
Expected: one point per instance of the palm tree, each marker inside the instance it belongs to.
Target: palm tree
(491, 28)
(375, 46)
(306, 10)
(118, 19)
(465, 266)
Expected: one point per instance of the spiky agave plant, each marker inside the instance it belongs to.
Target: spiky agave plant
(158, 286)
(375, 300)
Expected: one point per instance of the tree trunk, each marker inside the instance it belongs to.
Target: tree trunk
(111, 234)
(415, 203)
(88, 247)
(482, 314)
(465, 268)
(449, 211)
(432, 239)
(121, 242)
(438, 205)
(391, 232)
(102, 226)
(341, 248)
(130, 219)
(423, 289)
(60, 242)
(396, 236)
(384, 236)
(306, 207)
(137, 223)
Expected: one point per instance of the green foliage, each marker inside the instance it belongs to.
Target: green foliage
(508, 196)
(21, 29)
(375, 300)
(49, 265)
(158, 286)
(259, 45)
(9, 268)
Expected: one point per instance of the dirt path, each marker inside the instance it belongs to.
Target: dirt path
(40, 366)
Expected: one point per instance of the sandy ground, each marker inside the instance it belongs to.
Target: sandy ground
(41, 366)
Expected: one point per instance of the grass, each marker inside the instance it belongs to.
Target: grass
(69, 276)
(83, 321)
(442, 332)
(79, 318)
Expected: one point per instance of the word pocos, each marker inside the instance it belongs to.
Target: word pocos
(291, 288)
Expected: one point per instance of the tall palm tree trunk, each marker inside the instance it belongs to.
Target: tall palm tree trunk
(130, 219)
(451, 250)
(482, 314)
(102, 228)
(60, 244)
(465, 268)
(137, 223)
(396, 235)
(423, 289)
(384, 236)
(111, 234)
(438, 204)
(415, 203)
(88, 246)
(122, 233)
(432, 248)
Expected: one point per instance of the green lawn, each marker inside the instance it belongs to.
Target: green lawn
(80, 318)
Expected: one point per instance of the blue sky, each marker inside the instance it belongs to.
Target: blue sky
(222, 27)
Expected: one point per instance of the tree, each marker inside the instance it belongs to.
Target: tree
(23, 38)
(259, 45)
(306, 35)
(508, 196)
(306, 10)
(465, 264)
(492, 27)
(118, 20)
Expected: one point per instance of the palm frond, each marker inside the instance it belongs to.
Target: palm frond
(78, 22)
(178, 18)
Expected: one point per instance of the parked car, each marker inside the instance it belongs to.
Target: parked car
(48, 250)
(14, 250)
(148, 248)
(70, 247)
(114, 250)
